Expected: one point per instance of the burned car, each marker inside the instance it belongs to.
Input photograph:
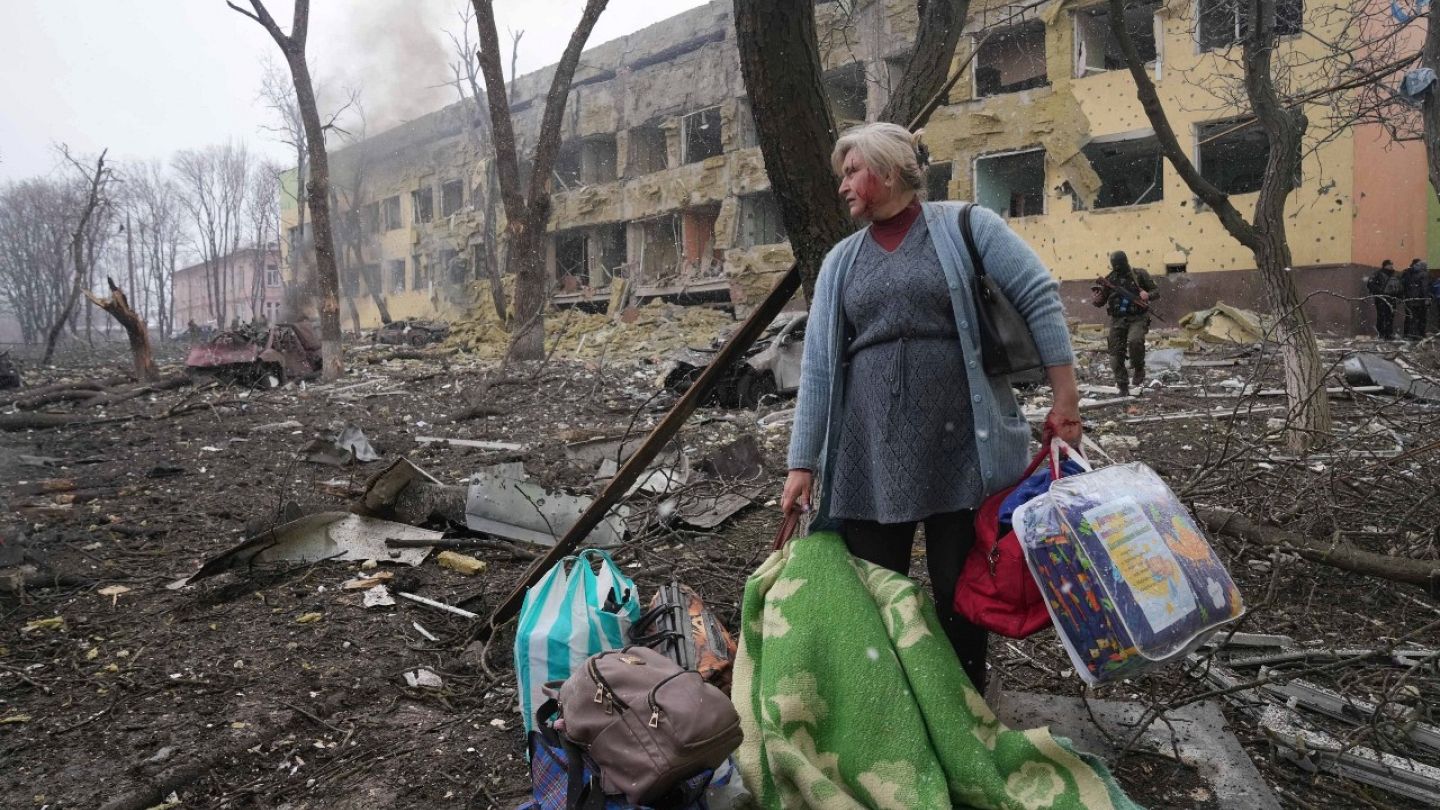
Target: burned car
(412, 332)
(286, 351)
(771, 367)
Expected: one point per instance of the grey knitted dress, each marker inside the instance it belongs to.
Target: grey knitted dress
(906, 446)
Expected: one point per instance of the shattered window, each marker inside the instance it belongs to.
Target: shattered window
(567, 165)
(937, 181)
(659, 248)
(370, 218)
(845, 87)
(1011, 59)
(646, 152)
(1232, 157)
(479, 261)
(597, 160)
(701, 133)
(760, 221)
(390, 213)
(1096, 48)
(1012, 185)
(570, 256)
(419, 275)
(1226, 22)
(422, 203)
(612, 244)
(397, 275)
(452, 197)
(701, 257)
(452, 265)
(1131, 172)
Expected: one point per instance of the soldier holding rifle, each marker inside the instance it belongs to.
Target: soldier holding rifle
(1126, 294)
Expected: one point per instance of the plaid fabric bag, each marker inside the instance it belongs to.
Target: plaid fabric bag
(554, 786)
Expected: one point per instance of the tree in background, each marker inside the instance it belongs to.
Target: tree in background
(1284, 124)
(277, 91)
(36, 219)
(292, 45)
(214, 184)
(527, 211)
(87, 235)
(780, 62)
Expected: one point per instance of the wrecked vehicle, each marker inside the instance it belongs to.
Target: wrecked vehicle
(412, 332)
(286, 351)
(771, 367)
(9, 373)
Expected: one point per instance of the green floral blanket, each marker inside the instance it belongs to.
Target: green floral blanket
(851, 697)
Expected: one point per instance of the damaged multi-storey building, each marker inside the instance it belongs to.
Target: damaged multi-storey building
(660, 189)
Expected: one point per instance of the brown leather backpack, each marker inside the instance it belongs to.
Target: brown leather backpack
(646, 723)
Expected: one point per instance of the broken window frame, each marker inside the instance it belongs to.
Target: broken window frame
(420, 273)
(1289, 22)
(1007, 213)
(994, 38)
(397, 280)
(422, 205)
(715, 144)
(572, 255)
(846, 89)
(1257, 150)
(1083, 53)
(938, 177)
(446, 208)
(645, 151)
(390, 217)
(1154, 190)
(760, 219)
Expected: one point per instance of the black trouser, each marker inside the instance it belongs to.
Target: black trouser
(1385, 318)
(1415, 316)
(948, 539)
(1127, 336)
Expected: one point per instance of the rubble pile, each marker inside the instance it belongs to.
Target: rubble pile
(276, 586)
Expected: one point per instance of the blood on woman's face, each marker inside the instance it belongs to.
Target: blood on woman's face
(863, 190)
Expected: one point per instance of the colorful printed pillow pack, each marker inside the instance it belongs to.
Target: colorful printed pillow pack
(1127, 576)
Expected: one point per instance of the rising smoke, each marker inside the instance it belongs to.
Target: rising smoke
(395, 53)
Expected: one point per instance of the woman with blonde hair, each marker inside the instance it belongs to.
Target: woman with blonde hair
(895, 412)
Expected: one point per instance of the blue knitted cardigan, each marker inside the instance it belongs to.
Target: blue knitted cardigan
(1001, 432)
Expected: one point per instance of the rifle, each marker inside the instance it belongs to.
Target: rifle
(1128, 296)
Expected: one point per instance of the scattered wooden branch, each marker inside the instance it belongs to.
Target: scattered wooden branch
(118, 305)
(1425, 574)
(37, 398)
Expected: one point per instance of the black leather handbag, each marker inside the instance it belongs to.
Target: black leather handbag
(1006, 345)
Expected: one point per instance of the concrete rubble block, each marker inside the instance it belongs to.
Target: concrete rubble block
(1201, 734)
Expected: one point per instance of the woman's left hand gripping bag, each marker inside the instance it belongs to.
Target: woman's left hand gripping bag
(582, 606)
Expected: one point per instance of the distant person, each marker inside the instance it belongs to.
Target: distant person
(1416, 283)
(192, 329)
(1126, 294)
(1385, 289)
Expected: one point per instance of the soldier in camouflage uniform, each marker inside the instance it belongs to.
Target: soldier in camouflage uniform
(1129, 317)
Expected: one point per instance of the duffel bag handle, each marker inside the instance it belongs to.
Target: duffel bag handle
(786, 530)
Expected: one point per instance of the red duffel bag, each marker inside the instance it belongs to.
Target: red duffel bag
(996, 590)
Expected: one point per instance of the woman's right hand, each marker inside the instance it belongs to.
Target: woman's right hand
(799, 487)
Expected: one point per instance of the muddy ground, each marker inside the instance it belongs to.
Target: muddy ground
(275, 688)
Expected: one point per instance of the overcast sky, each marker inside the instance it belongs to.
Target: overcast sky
(146, 78)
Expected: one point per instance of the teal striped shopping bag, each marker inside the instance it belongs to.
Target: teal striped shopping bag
(582, 606)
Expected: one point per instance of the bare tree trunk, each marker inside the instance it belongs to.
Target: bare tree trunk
(941, 22)
(1265, 236)
(780, 62)
(134, 323)
(528, 216)
(77, 257)
(1430, 105)
(318, 193)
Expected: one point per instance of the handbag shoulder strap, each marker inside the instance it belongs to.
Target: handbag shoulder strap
(786, 531)
(967, 233)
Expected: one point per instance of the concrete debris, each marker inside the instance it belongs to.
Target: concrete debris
(520, 510)
(378, 596)
(349, 446)
(1363, 369)
(1223, 323)
(322, 536)
(382, 490)
(471, 443)
(423, 678)
(365, 583)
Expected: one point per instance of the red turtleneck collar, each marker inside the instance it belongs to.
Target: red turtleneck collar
(889, 233)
